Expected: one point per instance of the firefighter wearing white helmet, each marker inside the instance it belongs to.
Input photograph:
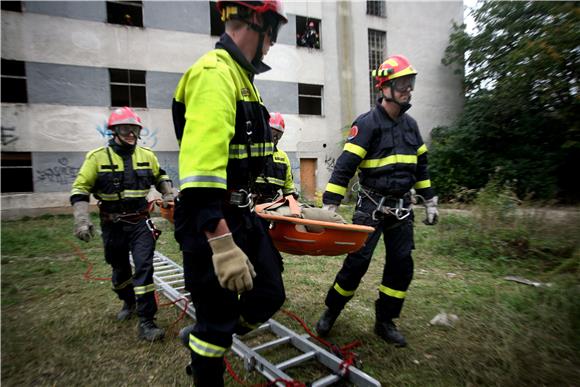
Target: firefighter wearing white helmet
(276, 179)
(120, 176)
(232, 269)
(386, 147)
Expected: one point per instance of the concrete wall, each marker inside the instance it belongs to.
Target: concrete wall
(68, 48)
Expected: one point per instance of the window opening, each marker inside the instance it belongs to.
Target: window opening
(127, 13)
(377, 53)
(16, 172)
(128, 88)
(309, 99)
(14, 81)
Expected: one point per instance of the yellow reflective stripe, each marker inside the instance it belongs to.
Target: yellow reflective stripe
(77, 191)
(240, 151)
(270, 180)
(203, 180)
(105, 196)
(124, 284)
(341, 291)
(357, 150)
(392, 292)
(163, 178)
(422, 149)
(139, 290)
(204, 348)
(422, 184)
(335, 188)
(136, 193)
(392, 159)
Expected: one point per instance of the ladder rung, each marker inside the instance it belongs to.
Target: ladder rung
(326, 381)
(175, 282)
(159, 272)
(273, 343)
(296, 360)
(166, 277)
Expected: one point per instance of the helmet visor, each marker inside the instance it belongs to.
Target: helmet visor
(404, 83)
(126, 130)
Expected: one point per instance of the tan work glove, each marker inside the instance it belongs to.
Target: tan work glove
(231, 265)
(432, 214)
(84, 229)
(166, 189)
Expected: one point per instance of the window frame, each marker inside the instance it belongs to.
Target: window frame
(10, 82)
(375, 58)
(301, 23)
(302, 96)
(377, 8)
(14, 157)
(130, 85)
(115, 6)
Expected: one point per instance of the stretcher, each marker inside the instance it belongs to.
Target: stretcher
(300, 236)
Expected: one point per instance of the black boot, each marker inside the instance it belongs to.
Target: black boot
(126, 312)
(326, 321)
(387, 330)
(149, 331)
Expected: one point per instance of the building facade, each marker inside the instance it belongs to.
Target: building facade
(66, 65)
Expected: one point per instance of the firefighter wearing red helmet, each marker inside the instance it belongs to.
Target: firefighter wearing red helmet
(120, 176)
(276, 178)
(232, 269)
(385, 145)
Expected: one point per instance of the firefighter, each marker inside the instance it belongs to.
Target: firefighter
(277, 177)
(386, 146)
(120, 176)
(231, 267)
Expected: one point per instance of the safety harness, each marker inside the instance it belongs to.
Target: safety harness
(387, 205)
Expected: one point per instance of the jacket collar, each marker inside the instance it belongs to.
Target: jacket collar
(227, 43)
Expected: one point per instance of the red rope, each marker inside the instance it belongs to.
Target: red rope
(236, 377)
(183, 309)
(87, 275)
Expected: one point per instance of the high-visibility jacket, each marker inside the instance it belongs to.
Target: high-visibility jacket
(111, 176)
(221, 124)
(276, 176)
(389, 154)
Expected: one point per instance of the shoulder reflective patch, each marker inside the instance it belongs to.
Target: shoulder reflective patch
(353, 132)
(245, 92)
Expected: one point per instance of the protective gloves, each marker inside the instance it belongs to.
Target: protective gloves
(231, 265)
(432, 215)
(166, 189)
(84, 229)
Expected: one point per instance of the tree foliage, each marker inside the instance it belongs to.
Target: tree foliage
(521, 111)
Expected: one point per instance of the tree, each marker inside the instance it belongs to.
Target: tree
(521, 111)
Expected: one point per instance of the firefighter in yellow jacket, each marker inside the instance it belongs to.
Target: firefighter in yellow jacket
(232, 269)
(120, 176)
(276, 179)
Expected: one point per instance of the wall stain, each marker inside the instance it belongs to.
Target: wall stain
(8, 136)
(60, 173)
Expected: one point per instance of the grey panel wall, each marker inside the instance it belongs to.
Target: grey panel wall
(67, 85)
(279, 96)
(287, 34)
(160, 88)
(55, 172)
(85, 10)
(187, 16)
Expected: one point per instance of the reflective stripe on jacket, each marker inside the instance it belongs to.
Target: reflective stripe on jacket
(106, 180)
(221, 125)
(390, 155)
(277, 175)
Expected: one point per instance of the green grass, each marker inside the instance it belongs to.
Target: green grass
(59, 329)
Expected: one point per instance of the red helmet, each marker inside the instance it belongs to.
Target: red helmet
(124, 116)
(277, 121)
(263, 6)
(393, 67)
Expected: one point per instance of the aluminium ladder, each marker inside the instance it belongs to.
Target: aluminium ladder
(169, 279)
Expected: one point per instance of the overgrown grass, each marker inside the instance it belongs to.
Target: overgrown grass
(59, 329)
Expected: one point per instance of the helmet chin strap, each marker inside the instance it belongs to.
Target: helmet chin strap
(125, 144)
(404, 106)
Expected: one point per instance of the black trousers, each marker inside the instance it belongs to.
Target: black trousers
(119, 239)
(220, 312)
(398, 268)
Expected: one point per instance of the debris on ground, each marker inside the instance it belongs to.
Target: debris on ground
(444, 319)
(525, 281)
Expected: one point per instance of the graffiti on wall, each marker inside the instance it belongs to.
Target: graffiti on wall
(61, 173)
(329, 162)
(148, 135)
(8, 136)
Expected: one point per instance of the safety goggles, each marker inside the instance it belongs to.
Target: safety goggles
(404, 83)
(126, 130)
